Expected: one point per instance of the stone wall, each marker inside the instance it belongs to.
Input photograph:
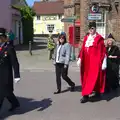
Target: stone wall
(113, 18)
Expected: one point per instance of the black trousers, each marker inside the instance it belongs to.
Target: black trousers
(11, 98)
(62, 72)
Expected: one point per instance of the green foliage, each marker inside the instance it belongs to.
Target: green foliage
(27, 12)
(78, 17)
(51, 44)
(27, 21)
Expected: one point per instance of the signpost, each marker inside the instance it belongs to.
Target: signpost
(71, 20)
(95, 16)
(94, 13)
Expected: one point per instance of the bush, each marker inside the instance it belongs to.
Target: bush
(51, 44)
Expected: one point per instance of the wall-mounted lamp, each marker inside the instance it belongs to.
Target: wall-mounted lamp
(116, 3)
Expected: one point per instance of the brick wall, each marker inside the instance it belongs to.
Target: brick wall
(113, 23)
(113, 18)
(84, 10)
(68, 12)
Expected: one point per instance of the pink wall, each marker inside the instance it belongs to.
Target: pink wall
(5, 14)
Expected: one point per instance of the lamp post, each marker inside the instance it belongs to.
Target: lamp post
(50, 28)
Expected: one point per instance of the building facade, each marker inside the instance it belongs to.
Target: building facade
(11, 18)
(71, 9)
(48, 20)
(110, 17)
(109, 11)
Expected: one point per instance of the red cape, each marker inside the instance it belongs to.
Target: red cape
(92, 75)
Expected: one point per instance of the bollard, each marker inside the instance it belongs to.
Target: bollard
(30, 47)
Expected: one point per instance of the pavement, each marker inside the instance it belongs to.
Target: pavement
(35, 93)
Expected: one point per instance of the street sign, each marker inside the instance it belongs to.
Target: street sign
(69, 19)
(95, 16)
(95, 9)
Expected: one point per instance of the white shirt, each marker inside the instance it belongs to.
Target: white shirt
(58, 52)
(90, 40)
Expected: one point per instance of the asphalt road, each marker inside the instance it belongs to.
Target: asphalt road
(35, 92)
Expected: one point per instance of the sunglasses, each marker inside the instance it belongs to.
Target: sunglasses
(92, 28)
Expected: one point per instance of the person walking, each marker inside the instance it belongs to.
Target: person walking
(8, 63)
(92, 62)
(62, 59)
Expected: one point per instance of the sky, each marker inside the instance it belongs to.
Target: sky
(30, 2)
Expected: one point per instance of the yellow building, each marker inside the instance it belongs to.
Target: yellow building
(48, 17)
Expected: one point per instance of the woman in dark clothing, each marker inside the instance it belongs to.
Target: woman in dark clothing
(112, 81)
(8, 61)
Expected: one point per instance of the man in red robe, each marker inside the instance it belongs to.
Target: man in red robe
(92, 61)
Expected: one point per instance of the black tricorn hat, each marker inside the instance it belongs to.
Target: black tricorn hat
(2, 31)
(110, 36)
(92, 24)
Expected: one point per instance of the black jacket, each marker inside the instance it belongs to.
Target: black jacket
(8, 64)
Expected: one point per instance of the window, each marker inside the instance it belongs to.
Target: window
(38, 17)
(50, 27)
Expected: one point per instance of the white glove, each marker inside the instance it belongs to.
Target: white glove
(104, 64)
(79, 62)
(16, 80)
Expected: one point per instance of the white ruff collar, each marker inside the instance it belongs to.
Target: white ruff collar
(90, 40)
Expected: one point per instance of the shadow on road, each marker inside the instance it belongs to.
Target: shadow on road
(28, 105)
(77, 89)
(35, 46)
(113, 94)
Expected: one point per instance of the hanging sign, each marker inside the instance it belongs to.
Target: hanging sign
(94, 9)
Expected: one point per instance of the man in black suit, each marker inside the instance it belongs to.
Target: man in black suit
(8, 63)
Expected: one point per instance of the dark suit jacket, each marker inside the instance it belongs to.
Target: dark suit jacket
(8, 64)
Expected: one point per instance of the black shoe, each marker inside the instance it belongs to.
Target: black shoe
(13, 108)
(84, 99)
(57, 92)
(95, 98)
(97, 95)
(72, 89)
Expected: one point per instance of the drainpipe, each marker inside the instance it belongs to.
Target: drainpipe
(73, 47)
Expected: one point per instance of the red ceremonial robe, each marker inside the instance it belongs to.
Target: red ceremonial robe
(92, 75)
